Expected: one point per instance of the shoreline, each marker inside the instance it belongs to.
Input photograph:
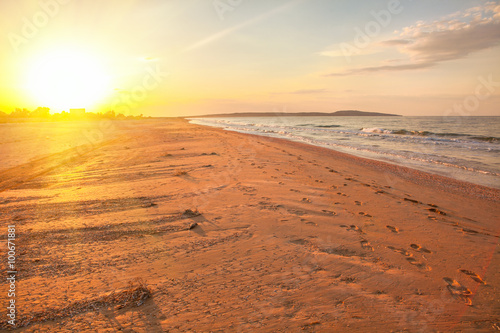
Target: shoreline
(465, 160)
(427, 178)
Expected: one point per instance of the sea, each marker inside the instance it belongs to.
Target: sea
(463, 148)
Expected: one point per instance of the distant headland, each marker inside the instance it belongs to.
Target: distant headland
(343, 113)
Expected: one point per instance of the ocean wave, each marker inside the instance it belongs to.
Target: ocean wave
(327, 126)
(406, 132)
(376, 130)
(490, 139)
(486, 138)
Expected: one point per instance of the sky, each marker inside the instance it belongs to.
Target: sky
(195, 57)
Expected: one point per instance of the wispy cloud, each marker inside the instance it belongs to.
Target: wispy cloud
(337, 52)
(453, 37)
(249, 22)
(395, 42)
(363, 70)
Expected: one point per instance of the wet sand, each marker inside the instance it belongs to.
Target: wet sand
(160, 225)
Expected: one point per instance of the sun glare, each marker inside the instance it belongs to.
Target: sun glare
(64, 80)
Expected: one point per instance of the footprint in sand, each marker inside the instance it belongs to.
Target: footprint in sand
(364, 214)
(473, 276)
(437, 211)
(366, 245)
(355, 228)
(358, 203)
(458, 291)
(417, 263)
(401, 251)
(329, 212)
(469, 231)
(306, 200)
(412, 200)
(410, 258)
(419, 248)
(352, 227)
(342, 194)
(393, 229)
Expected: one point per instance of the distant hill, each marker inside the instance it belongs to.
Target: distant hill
(343, 113)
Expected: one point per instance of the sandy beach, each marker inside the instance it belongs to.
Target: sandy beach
(163, 226)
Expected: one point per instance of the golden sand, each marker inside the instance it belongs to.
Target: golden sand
(164, 226)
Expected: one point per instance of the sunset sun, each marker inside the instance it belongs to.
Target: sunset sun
(66, 80)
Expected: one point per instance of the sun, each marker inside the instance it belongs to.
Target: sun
(67, 79)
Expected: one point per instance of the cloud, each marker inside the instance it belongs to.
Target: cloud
(337, 52)
(396, 42)
(384, 68)
(454, 43)
(228, 31)
(453, 37)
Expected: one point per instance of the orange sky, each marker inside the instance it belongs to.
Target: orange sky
(181, 58)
